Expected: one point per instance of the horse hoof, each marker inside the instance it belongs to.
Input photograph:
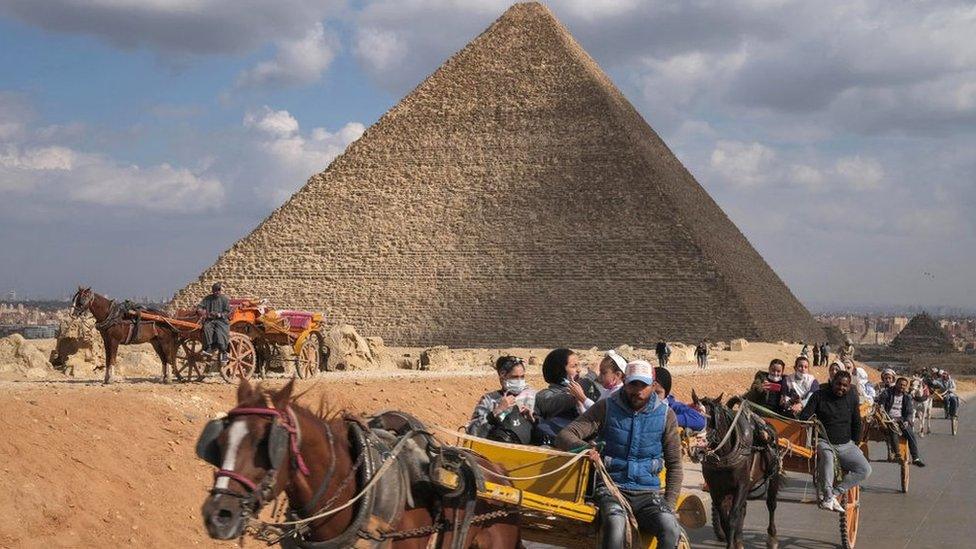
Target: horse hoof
(772, 544)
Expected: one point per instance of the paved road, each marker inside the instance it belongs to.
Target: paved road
(936, 512)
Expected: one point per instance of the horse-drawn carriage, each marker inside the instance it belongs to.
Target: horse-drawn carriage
(257, 333)
(939, 401)
(550, 489)
(878, 427)
(797, 441)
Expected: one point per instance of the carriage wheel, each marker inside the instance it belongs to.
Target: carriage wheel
(307, 361)
(188, 361)
(849, 520)
(241, 359)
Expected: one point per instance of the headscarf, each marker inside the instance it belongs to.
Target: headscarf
(554, 365)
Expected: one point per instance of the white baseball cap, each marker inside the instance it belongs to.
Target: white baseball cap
(639, 370)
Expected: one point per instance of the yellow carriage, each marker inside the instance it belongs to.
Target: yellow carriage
(549, 487)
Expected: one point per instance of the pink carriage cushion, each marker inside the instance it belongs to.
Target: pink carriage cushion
(298, 320)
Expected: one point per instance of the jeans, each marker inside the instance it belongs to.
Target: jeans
(852, 462)
(654, 517)
(909, 434)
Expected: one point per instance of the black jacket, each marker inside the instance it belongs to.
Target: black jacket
(841, 416)
(887, 399)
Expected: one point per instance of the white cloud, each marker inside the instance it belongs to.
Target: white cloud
(297, 61)
(743, 164)
(273, 123)
(285, 157)
(34, 165)
(860, 173)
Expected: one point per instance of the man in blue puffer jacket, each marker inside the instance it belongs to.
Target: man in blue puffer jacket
(640, 433)
(688, 417)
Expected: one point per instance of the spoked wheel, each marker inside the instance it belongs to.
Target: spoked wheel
(850, 518)
(241, 359)
(189, 361)
(309, 356)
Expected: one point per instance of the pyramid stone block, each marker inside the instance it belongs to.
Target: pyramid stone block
(515, 197)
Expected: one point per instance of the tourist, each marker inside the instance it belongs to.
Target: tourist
(688, 417)
(800, 385)
(491, 417)
(835, 366)
(948, 389)
(825, 353)
(640, 433)
(897, 403)
(767, 388)
(805, 351)
(859, 377)
(816, 354)
(886, 383)
(838, 410)
(847, 351)
(701, 354)
(663, 352)
(214, 309)
(566, 396)
(611, 376)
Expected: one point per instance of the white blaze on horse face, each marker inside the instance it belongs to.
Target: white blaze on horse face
(235, 434)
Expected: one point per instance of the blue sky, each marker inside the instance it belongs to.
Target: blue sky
(837, 135)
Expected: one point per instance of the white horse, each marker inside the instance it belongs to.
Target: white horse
(922, 404)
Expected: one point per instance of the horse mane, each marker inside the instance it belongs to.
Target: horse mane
(325, 411)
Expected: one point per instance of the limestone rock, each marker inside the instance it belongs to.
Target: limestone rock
(347, 349)
(738, 344)
(436, 358)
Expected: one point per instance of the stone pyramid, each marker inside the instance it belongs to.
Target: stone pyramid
(515, 197)
(922, 334)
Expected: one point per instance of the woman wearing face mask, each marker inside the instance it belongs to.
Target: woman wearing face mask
(768, 388)
(514, 396)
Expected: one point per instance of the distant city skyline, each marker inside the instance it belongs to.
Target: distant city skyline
(837, 136)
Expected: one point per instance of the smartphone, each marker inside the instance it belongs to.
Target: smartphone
(774, 387)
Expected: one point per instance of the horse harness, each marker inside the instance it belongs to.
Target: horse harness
(125, 312)
(380, 507)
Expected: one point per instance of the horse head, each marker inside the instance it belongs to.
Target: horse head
(720, 420)
(81, 301)
(250, 447)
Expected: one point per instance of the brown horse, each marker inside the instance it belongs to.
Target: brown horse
(116, 329)
(741, 454)
(340, 485)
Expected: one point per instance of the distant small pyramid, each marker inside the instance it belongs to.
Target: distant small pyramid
(922, 334)
(515, 197)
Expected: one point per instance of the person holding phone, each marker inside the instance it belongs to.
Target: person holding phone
(515, 396)
(567, 395)
(770, 390)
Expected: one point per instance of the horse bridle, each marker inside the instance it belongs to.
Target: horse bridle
(284, 431)
(82, 301)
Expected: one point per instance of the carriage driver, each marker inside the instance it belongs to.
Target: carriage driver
(215, 311)
(641, 436)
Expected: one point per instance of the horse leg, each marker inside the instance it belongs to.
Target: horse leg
(158, 347)
(738, 515)
(725, 509)
(111, 348)
(771, 492)
(717, 526)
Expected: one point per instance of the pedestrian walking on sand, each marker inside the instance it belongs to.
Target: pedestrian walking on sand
(701, 354)
(825, 353)
(663, 351)
(816, 354)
